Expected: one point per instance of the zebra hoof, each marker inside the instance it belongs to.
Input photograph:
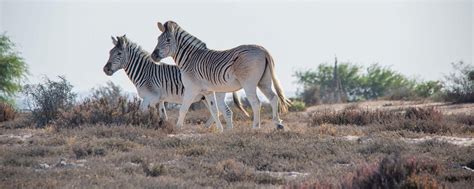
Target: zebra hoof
(280, 127)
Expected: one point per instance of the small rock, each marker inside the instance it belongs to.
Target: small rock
(61, 163)
(132, 164)
(44, 166)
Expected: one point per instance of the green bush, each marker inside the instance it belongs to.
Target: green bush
(318, 83)
(297, 106)
(375, 82)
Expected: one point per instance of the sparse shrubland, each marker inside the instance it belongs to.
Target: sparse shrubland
(105, 141)
(424, 120)
(378, 82)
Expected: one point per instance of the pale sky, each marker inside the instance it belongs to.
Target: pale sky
(72, 38)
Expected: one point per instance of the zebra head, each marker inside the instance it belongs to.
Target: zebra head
(117, 58)
(167, 44)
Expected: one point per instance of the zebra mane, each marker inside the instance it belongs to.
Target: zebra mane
(197, 42)
(136, 48)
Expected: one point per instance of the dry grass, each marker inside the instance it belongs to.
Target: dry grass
(116, 154)
(7, 112)
(414, 119)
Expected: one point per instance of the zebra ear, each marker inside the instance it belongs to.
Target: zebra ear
(114, 41)
(160, 26)
(170, 25)
(120, 42)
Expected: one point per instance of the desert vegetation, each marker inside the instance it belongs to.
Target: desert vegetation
(391, 132)
(104, 141)
(352, 83)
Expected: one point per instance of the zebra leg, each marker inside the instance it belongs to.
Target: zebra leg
(188, 99)
(273, 98)
(211, 100)
(210, 120)
(222, 106)
(144, 105)
(251, 92)
(162, 109)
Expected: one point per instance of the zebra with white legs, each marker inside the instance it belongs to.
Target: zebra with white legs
(156, 82)
(205, 71)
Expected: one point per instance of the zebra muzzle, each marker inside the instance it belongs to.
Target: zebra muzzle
(156, 55)
(107, 69)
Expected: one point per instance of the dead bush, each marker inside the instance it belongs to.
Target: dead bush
(88, 149)
(103, 111)
(351, 116)
(7, 112)
(425, 120)
(395, 171)
(47, 99)
(153, 170)
(233, 171)
(355, 116)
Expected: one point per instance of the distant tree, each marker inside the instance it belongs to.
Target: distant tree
(377, 81)
(428, 88)
(12, 70)
(318, 83)
(380, 81)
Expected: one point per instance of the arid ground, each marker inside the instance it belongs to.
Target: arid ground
(378, 144)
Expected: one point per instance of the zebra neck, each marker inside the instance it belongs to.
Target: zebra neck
(187, 44)
(137, 64)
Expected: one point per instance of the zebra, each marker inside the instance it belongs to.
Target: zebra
(205, 71)
(156, 82)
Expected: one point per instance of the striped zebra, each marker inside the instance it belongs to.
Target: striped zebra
(205, 71)
(156, 82)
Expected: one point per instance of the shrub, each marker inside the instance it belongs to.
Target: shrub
(233, 171)
(7, 112)
(297, 106)
(47, 99)
(153, 170)
(311, 95)
(364, 117)
(459, 85)
(110, 92)
(428, 88)
(102, 111)
(396, 172)
(351, 116)
(425, 120)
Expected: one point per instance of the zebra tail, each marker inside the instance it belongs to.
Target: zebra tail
(238, 103)
(284, 102)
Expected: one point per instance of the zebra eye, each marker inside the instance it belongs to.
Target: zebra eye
(168, 40)
(119, 53)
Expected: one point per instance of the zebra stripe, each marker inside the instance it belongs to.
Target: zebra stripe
(143, 71)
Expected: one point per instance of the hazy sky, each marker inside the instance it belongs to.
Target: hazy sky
(72, 38)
